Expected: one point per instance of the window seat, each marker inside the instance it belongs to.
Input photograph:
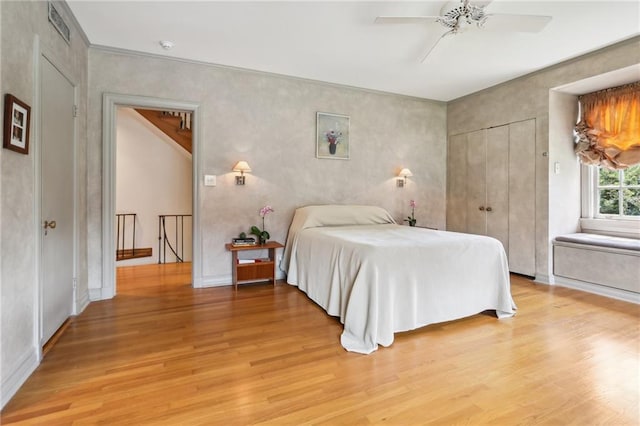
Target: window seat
(598, 259)
(601, 241)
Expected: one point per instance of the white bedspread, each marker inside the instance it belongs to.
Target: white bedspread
(385, 278)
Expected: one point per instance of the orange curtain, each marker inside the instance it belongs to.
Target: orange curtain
(608, 133)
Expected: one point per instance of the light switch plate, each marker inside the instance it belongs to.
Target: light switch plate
(209, 180)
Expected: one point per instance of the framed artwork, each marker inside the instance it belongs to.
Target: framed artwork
(332, 136)
(17, 116)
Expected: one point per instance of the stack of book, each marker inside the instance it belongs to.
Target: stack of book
(246, 261)
(247, 241)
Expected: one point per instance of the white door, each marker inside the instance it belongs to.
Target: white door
(57, 202)
(457, 183)
(497, 205)
(522, 201)
(477, 182)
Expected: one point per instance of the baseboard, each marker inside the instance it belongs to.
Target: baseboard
(213, 281)
(82, 302)
(223, 280)
(601, 290)
(18, 375)
(544, 279)
(96, 294)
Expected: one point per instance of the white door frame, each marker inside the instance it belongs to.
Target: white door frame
(38, 57)
(110, 103)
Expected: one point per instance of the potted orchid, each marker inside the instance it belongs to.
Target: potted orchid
(412, 219)
(262, 235)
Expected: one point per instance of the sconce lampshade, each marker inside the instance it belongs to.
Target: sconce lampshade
(405, 173)
(242, 167)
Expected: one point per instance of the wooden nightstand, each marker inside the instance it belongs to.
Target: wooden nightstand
(264, 270)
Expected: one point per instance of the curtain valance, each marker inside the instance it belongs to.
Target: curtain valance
(608, 133)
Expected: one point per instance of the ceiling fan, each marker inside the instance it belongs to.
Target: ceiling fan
(456, 17)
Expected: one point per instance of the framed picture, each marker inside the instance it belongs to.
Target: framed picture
(332, 136)
(17, 116)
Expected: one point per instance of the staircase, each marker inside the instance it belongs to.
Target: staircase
(175, 124)
(122, 241)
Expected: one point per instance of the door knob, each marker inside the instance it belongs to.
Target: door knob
(489, 209)
(49, 225)
(481, 208)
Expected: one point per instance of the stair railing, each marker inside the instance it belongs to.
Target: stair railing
(122, 234)
(164, 242)
(185, 118)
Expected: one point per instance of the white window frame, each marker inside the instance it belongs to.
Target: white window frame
(591, 221)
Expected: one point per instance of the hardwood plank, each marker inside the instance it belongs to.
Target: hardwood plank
(163, 352)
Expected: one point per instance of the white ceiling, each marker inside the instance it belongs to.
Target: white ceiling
(339, 42)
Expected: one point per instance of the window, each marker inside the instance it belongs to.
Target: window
(618, 193)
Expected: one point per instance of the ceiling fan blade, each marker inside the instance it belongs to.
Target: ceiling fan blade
(405, 19)
(450, 32)
(516, 23)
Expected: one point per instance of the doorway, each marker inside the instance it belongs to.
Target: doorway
(153, 187)
(111, 103)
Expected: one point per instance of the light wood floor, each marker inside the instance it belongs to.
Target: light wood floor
(164, 353)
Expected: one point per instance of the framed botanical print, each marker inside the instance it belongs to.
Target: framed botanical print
(332, 136)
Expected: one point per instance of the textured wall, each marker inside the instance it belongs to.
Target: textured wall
(528, 97)
(21, 22)
(270, 122)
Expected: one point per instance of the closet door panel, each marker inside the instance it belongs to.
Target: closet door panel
(476, 182)
(522, 187)
(498, 184)
(457, 184)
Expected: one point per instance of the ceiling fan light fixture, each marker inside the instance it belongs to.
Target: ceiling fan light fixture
(459, 16)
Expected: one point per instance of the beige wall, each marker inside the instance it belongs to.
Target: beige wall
(528, 97)
(270, 122)
(21, 24)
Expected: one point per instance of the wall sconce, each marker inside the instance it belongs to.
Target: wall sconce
(242, 167)
(402, 180)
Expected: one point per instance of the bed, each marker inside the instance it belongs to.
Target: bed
(380, 278)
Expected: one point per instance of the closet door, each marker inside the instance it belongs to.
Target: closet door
(491, 189)
(522, 189)
(476, 182)
(497, 185)
(457, 184)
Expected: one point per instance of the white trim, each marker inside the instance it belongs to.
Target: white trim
(108, 197)
(587, 191)
(227, 279)
(37, 208)
(110, 102)
(19, 374)
(216, 281)
(544, 279)
(96, 294)
(82, 301)
(614, 293)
